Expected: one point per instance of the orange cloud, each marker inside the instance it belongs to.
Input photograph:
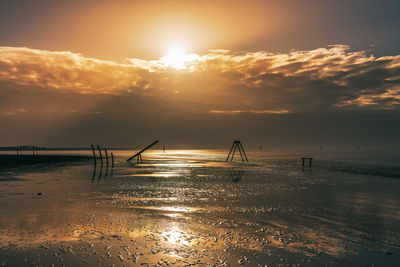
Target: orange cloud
(222, 81)
(233, 112)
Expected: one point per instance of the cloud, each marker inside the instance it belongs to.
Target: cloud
(13, 112)
(219, 82)
(233, 112)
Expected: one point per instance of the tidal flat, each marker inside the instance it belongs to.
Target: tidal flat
(184, 208)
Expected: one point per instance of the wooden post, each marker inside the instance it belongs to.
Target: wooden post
(94, 173)
(101, 172)
(101, 156)
(139, 159)
(105, 151)
(94, 156)
(112, 160)
(303, 162)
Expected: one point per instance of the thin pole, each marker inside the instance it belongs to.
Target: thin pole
(101, 172)
(140, 152)
(94, 172)
(234, 151)
(105, 151)
(112, 160)
(106, 173)
(243, 151)
(101, 156)
(230, 152)
(94, 156)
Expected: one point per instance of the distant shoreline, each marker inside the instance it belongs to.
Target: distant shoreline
(28, 148)
(20, 160)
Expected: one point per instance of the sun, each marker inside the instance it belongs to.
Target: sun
(177, 58)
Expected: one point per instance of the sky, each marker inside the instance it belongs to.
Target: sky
(199, 74)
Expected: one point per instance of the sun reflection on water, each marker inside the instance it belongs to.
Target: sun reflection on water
(178, 209)
(175, 236)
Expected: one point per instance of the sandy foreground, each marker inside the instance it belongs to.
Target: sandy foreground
(180, 210)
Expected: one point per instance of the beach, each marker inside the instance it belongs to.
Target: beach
(190, 207)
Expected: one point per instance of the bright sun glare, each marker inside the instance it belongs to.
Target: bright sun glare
(177, 58)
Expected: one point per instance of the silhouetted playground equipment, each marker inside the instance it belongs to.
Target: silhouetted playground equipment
(101, 162)
(303, 162)
(237, 145)
(138, 155)
(101, 156)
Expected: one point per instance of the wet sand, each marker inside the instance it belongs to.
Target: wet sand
(194, 209)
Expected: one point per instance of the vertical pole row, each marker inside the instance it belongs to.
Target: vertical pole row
(101, 156)
(101, 162)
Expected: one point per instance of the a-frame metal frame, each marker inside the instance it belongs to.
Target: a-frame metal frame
(237, 145)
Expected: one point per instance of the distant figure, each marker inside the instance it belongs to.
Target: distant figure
(164, 148)
(260, 147)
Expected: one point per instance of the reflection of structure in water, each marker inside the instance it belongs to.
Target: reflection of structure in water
(94, 173)
(236, 174)
(107, 172)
